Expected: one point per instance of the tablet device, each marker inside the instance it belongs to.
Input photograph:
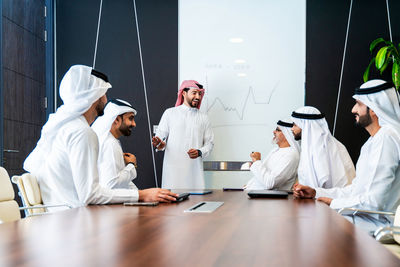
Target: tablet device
(267, 194)
(200, 192)
(182, 197)
(232, 189)
(141, 203)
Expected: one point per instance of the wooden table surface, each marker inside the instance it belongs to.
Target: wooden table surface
(242, 232)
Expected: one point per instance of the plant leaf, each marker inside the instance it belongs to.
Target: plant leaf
(375, 43)
(381, 57)
(387, 61)
(395, 74)
(392, 49)
(366, 73)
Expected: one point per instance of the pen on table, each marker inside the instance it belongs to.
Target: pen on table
(198, 206)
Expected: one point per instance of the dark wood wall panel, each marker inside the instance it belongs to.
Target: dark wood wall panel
(28, 134)
(23, 52)
(24, 97)
(23, 58)
(25, 13)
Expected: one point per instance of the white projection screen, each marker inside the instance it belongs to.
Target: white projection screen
(250, 57)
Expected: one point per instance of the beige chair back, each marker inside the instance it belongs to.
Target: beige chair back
(9, 210)
(29, 191)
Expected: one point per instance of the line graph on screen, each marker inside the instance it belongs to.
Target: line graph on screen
(237, 113)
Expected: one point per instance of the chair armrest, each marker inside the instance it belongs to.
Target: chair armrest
(44, 206)
(354, 211)
(386, 230)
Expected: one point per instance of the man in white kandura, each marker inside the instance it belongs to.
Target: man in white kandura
(186, 135)
(65, 158)
(116, 168)
(377, 183)
(324, 161)
(279, 169)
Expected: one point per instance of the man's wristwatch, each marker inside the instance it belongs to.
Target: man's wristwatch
(199, 152)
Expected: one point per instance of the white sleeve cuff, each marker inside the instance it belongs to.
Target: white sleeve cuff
(255, 166)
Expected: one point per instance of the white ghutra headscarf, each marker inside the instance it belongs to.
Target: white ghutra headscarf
(381, 97)
(80, 87)
(324, 161)
(286, 128)
(115, 107)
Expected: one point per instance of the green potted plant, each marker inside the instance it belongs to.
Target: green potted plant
(386, 55)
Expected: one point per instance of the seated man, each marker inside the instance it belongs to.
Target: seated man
(116, 169)
(65, 158)
(324, 161)
(377, 183)
(279, 169)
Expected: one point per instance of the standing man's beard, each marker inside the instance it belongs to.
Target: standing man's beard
(364, 120)
(191, 104)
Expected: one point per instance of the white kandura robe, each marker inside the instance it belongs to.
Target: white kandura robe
(277, 171)
(324, 161)
(113, 172)
(70, 174)
(377, 183)
(327, 169)
(184, 128)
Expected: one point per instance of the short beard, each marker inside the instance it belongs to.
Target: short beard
(190, 102)
(125, 130)
(364, 120)
(100, 109)
(193, 106)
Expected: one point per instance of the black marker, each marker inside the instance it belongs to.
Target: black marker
(198, 206)
(160, 142)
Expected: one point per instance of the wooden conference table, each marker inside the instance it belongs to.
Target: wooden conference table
(242, 232)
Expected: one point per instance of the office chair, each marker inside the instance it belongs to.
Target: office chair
(388, 235)
(9, 210)
(392, 231)
(29, 191)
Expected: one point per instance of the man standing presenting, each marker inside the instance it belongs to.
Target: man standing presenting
(324, 161)
(65, 158)
(279, 169)
(377, 183)
(186, 136)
